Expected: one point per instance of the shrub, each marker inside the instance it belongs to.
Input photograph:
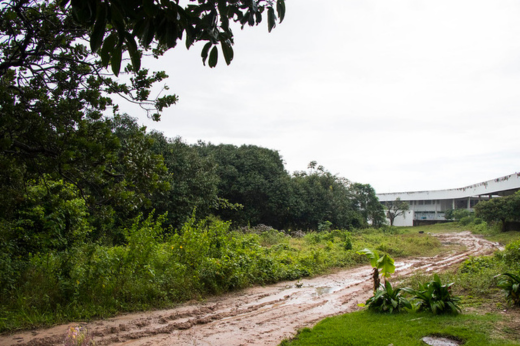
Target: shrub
(435, 297)
(466, 220)
(477, 264)
(511, 255)
(388, 299)
(510, 283)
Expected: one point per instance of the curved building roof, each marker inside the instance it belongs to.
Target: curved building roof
(498, 186)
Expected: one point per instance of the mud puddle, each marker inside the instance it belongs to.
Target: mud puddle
(255, 316)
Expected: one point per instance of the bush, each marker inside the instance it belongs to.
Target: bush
(510, 283)
(511, 254)
(466, 220)
(436, 297)
(388, 299)
(477, 264)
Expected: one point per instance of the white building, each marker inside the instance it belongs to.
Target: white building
(430, 205)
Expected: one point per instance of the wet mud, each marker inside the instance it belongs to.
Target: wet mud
(255, 316)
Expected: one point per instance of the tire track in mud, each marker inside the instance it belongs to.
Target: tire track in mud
(255, 316)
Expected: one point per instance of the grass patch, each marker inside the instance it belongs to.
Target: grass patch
(364, 328)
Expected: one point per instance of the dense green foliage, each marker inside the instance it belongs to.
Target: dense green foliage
(501, 209)
(435, 297)
(155, 268)
(118, 26)
(510, 283)
(388, 299)
(368, 204)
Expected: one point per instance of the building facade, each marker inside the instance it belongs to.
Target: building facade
(431, 205)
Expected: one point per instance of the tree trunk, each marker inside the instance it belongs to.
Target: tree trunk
(375, 275)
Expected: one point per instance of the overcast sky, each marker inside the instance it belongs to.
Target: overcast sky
(404, 95)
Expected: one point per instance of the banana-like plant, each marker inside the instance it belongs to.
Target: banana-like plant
(510, 283)
(435, 297)
(384, 263)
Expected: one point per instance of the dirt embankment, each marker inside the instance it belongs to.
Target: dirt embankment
(256, 316)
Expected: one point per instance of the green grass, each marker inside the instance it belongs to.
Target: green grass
(364, 328)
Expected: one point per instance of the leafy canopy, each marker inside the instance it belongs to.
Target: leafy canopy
(118, 26)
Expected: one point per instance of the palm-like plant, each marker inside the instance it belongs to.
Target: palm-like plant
(385, 263)
(436, 297)
(510, 283)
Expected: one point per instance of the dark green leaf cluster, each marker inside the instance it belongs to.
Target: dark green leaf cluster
(510, 283)
(501, 209)
(53, 97)
(368, 204)
(255, 178)
(388, 299)
(435, 297)
(119, 26)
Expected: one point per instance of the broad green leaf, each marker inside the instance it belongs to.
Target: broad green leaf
(205, 51)
(386, 264)
(108, 47)
(148, 33)
(116, 59)
(135, 56)
(96, 39)
(373, 256)
(271, 19)
(227, 50)
(280, 8)
(213, 57)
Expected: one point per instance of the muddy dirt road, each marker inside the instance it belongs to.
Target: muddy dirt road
(256, 316)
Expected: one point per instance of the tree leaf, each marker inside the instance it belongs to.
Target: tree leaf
(148, 33)
(227, 50)
(271, 19)
(96, 38)
(280, 8)
(213, 57)
(108, 46)
(205, 51)
(116, 59)
(135, 55)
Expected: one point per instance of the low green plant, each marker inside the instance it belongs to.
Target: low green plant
(388, 299)
(435, 297)
(510, 283)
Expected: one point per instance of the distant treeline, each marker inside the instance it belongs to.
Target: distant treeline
(46, 202)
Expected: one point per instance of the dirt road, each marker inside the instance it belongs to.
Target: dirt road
(256, 316)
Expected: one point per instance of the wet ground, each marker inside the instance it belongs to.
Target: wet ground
(255, 316)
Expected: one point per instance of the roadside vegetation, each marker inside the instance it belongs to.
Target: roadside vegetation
(157, 269)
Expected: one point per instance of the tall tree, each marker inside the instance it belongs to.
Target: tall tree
(254, 177)
(395, 209)
(192, 178)
(323, 197)
(368, 204)
(503, 209)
